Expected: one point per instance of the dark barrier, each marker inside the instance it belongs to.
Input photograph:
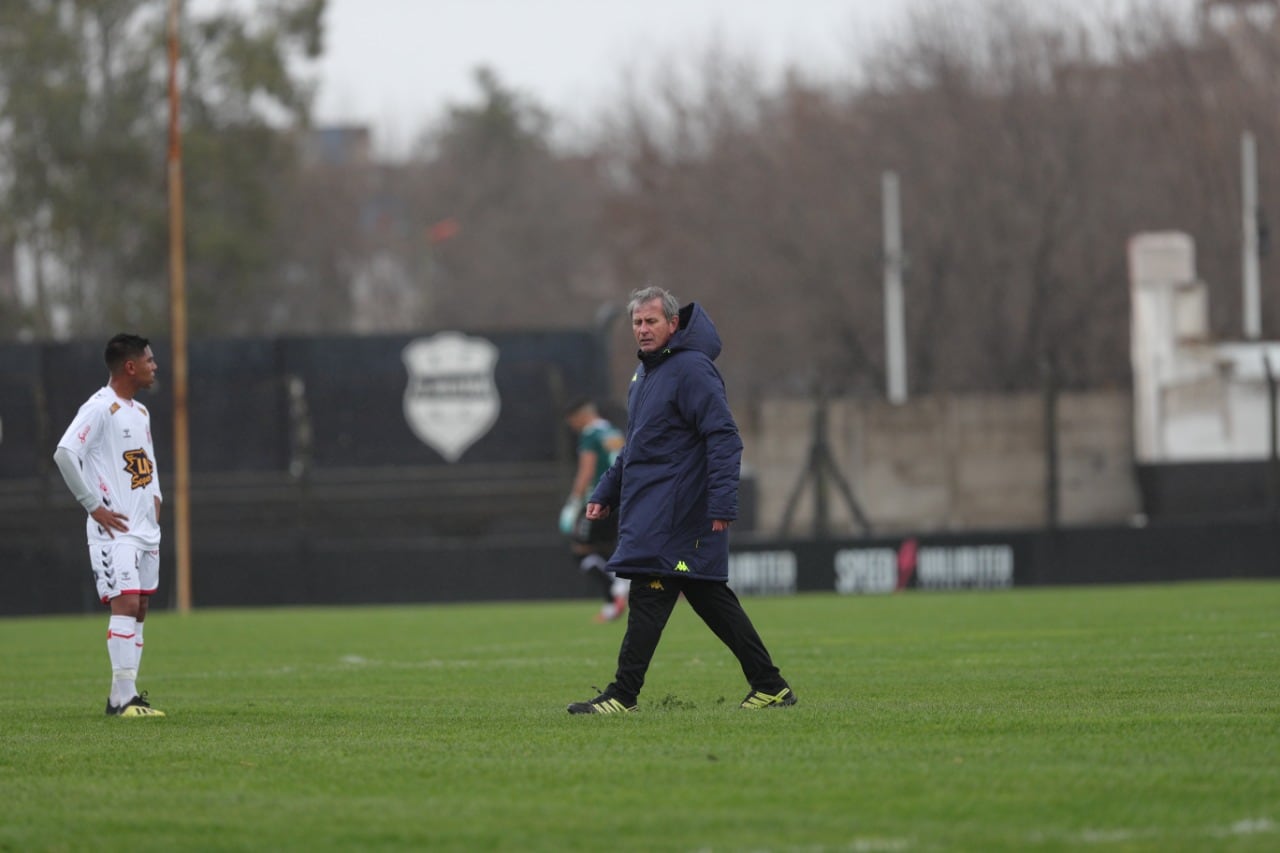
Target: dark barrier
(308, 453)
(996, 560)
(433, 399)
(344, 571)
(432, 468)
(21, 430)
(1191, 491)
(237, 407)
(302, 559)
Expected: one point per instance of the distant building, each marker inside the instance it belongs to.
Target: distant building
(337, 146)
(1195, 399)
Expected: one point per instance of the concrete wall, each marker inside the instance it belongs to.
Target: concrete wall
(947, 463)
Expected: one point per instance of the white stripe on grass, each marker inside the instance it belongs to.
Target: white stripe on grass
(1123, 835)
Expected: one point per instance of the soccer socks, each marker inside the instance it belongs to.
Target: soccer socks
(123, 647)
(138, 642)
(592, 563)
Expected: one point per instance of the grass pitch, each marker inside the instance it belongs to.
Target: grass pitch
(1121, 718)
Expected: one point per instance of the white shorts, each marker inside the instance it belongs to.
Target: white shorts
(124, 568)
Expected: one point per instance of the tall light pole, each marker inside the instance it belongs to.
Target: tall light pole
(178, 326)
(1249, 213)
(895, 337)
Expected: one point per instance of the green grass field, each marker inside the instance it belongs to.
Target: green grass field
(1126, 718)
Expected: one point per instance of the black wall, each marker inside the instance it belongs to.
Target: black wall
(243, 416)
(395, 561)
(1001, 559)
(309, 487)
(307, 481)
(1196, 491)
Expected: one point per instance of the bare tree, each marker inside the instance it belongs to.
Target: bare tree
(1031, 141)
(82, 147)
(506, 230)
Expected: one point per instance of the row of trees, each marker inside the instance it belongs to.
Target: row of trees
(83, 146)
(1031, 143)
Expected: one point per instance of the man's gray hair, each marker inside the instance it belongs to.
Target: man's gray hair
(670, 305)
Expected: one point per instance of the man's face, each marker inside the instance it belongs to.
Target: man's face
(651, 326)
(143, 368)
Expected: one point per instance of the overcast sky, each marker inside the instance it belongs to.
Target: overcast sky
(395, 64)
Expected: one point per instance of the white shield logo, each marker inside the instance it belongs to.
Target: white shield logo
(451, 400)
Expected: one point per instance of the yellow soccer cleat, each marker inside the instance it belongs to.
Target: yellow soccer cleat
(759, 699)
(602, 704)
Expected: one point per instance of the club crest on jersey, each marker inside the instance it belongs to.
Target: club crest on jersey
(451, 400)
(139, 467)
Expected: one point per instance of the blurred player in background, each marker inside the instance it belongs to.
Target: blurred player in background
(592, 542)
(109, 464)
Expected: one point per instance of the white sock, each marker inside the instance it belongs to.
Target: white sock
(137, 641)
(593, 561)
(122, 649)
(621, 587)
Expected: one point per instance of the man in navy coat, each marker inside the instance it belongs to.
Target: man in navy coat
(675, 489)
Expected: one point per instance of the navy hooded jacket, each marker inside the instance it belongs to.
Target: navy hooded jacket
(679, 469)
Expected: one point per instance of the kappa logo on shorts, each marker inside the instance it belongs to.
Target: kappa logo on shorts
(451, 400)
(682, 566)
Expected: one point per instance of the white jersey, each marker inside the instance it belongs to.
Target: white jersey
(112, 439)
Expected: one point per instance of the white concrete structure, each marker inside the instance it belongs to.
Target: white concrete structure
(1194, 399)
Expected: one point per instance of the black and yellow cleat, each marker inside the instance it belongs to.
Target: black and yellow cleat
(759, 699)
(138, 706)
(602, 704)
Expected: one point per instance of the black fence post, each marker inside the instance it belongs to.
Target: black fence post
(1052, 509)
(1273, 454)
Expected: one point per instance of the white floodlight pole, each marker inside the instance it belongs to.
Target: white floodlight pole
(894, 323)
(1251, 271)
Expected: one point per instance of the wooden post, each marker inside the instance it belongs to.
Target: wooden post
(178, 327)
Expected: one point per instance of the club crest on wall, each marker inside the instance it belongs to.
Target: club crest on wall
(451, 400)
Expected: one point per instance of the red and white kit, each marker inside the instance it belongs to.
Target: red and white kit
(112, 439)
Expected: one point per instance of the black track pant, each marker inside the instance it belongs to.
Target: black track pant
(651, 602)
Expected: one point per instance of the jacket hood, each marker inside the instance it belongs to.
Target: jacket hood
(696, 332)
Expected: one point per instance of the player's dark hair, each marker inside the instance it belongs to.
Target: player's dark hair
(123, 347)
(577, 403)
